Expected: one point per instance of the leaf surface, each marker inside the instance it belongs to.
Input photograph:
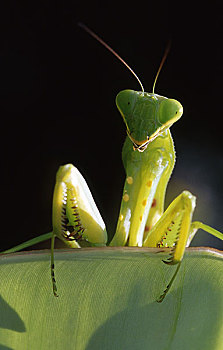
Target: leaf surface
(107, 300)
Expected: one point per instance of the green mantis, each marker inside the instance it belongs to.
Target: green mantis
(148, 157)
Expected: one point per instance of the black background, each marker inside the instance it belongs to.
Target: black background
(57, 102)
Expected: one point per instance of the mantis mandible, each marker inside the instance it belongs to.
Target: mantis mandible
(148, 157)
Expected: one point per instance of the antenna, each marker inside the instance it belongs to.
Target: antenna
(89, 31)
(162, 63)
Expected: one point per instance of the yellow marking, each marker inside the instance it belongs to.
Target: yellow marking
(138, 143)
(129, 180)
(149, 183)
(144, 202)
(140, 218)
(126, 197)
(121, 217)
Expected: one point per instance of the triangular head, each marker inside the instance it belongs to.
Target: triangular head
(146, 115)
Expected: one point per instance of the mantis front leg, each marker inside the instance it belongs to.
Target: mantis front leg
(76, 218)
(175, 230)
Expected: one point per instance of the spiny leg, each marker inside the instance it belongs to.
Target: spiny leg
(52, 266)
(76, 218)
(175, 230)
(74, 206)
(72, 244)
(196, 225)
(162, 296)
(60, 229)
(172, 230)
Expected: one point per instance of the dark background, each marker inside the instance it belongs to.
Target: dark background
(57, 103)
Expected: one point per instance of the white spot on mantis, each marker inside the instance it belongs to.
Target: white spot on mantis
(127, 220)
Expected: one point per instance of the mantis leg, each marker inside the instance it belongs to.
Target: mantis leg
(193, 230)
(175, 230)
(76, 219)
(52, 266)
(30, 242)
(75, 214)
(196, 225)
(172, 230)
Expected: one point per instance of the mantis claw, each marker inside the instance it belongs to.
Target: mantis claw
(162, 296)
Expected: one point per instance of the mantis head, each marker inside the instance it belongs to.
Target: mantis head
(146, 115)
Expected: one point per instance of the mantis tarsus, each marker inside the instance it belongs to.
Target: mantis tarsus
(148, 157)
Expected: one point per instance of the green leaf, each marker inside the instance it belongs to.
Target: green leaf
(107, 300)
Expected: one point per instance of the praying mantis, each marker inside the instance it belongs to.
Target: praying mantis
(148, 157)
